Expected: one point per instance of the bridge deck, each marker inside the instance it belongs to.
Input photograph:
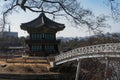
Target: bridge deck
(102, 50)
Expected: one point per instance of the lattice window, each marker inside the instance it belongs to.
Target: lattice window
(36, 48)
(49, 47)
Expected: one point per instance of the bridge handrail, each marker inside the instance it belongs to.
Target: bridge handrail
(109, 47)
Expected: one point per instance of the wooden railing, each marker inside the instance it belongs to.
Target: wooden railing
(96, 49)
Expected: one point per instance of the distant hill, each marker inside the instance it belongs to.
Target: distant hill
(66, 39)
(68, 43)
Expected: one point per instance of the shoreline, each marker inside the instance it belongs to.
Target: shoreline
(31, 76)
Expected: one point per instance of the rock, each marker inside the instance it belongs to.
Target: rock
(3, 65)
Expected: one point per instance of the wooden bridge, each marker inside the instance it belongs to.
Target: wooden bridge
(109, 50)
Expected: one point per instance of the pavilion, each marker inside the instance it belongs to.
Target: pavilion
(42, 32)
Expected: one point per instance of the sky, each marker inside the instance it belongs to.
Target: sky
(97, 6)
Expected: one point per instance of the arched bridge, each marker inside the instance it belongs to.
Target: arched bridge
(94, 51)
(109, 50)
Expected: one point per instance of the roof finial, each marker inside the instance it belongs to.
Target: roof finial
(9, 28)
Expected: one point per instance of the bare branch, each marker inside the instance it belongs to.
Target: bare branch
(115, 9)
(70, 8)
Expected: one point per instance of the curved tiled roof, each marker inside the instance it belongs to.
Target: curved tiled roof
(42, 21)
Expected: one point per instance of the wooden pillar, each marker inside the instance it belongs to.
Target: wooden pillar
(78, 70)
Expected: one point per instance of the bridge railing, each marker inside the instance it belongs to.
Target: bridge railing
(109, 47)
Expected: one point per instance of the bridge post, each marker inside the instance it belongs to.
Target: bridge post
(78, 70)
(106, 67)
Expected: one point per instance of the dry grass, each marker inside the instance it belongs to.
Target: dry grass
(22, 60)
(17, 65)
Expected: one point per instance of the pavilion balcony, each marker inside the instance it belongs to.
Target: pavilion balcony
(28, 41)
(43, 53)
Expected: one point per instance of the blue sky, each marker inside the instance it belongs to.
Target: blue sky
(97, 6)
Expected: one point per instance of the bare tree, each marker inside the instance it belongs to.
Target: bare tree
(115, 9)
(68, 8)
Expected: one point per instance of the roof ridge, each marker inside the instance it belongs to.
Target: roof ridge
(42, 20)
